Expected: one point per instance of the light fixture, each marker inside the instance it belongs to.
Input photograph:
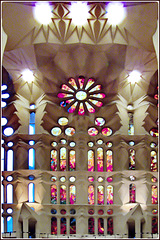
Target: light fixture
(115, 12)
(43, 12)
(28, 75)
(79, 12)
(134, 76)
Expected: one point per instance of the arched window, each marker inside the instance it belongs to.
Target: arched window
(63, 194)
(100, 226)
(10, 160)
(63, 226)
(109, 194)
(63, 159)
(31, 192)
(130, 124)
(9, 190)
(2, 224)
(32, 123)
(109, 157)
(110, 226)
(132, 159)
(72, 160)
(2, 193)
(100, 195)
(31, 160)
(72, 226)
(53, 226)
(154, 225)
(9, 224)
(2, 159)
(154, 195)
(100, 159)
(91, 225)
(54, 160)
(72, 195)
(153, 161)
(132, 193)
(91, 195)
(53, 194)
(90, 161)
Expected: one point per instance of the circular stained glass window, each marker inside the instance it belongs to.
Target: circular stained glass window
(9, 178)
(91, 211)
(154, 211)
(53, 211)
(99, 141)
(63, 141)
(53, 144)
(92, 131)
(62, 179)
(107, 131)
(131, 143)
(72, 179)
(154, 132)
(100, 179)
(109, 179)
(109, 144)
(9, 210)
(56, 131)
(154, 179)
(109, 211)
(81, 95)
(70, 131)
(90, 144)
(10, 144)
(99, 121)
(31, 177)
(90, 179)
(72, 144)
(100, 212)
(63, 121)
(132, 178)
(8, 131)
(72, 211)
(153, 145)
(63, 211)
(53, 179)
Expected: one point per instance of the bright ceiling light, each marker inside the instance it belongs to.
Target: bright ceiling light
(134, 76)
(28, 75)
(115, 12)
(43, 13)
(79, 13)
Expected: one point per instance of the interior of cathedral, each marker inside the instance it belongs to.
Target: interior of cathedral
(79, 97)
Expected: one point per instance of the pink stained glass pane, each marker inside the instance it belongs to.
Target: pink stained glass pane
(100, 159)
(100, 195)
(92, 131)
(96, 88)
(72, 195)
(89, 108)
(100, 226)
(70, 131)
(97, 103)
(63, 194)
(154, 225)
(54, 226)
(89, 83)
(53, 160)
(53, 194)
(64, 95)
(154, 195)
(154, 132)
(98, 95)
(109, 211)
(63, 226)
(66, 88)
(132, 159)
(109, 161)
(109, 179)
(66, 102)
(90, 179)
(90, 161)
(62, 159)
(110, 226)
(81, 82)
(72, 108)
(109, 194)
(91, 195)
(154, 211)
(73, 83)
(107, 131)
(81, 109)
(72, 160)
(99, 121)
(132, 193)
(153, 161)
(91, 225)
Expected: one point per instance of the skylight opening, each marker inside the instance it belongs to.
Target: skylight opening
(43, 13)
(116, 13)
(79, 13)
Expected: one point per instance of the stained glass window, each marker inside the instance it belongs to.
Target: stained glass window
(63, 121)
(100, 179)
(110, 226)
(72, 160)
(154, 211)
(109, 144)
(63, 141)
(63, 226)
(90, 160)
(154, 195)
(9, 224)
(62, 179)
(90, 144)
(31, 192)
(90, 179)
(109, 158)
(99, 141)
(154, 225)
(72, 195)
(72, 226)
(62, 159)
(54, 160)
(109, 211)
(54, 226)
(92, 131)
(31, 160)
(91, 195)
(130, 125)
(53, 144)
(100, 212)
(154, 132)
(53, 194)
(91, 211)
(153, 161)
(99, 121)
(153, 145)
(10, 160)
(91, 225)
(63, 211)
(100, 159)
(132, 159)
(70, 131)
(100, 226)
(154, 179)
(132, 178)
(131, 143)
(56, 131)
(109, 194)
(63, 194)
(72, 179)
(100, 195)
(107, 131)
(32, 123)
(109, 179)
(9, 190)
(132, 193)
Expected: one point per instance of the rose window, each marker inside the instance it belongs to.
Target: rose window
(81, 96)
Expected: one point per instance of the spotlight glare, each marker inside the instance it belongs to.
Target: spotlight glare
(134, 76)
(115, 12)
(43, 13)
(28, 75)
(79, 12)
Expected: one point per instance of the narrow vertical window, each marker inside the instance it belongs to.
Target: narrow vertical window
(72, 160)
(132, 159)
(100, 195)
(63, 226)
(132, 193)
(130, 124)
(31, 192)
(2, 224)
(54, 160)
(91, 225)
(90, 161)
(154, 195)
(54, 226)
(32, 123)
(10, 160)
(72, 226)
(153, 161)
(100, 159)
(53, 194)
(9, 224)
(100, 226)
(72, 195)
(2, 193)
(91, 195)
(63, 194)
(9, 190)
(2, 159)
(154, 225)
(109, 157)
(109, 194)
(31, 160)
(110, 226)
(62, 159)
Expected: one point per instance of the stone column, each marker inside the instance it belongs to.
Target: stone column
(137, 228)
(68, 225)
(58, 225)
(25, 228)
